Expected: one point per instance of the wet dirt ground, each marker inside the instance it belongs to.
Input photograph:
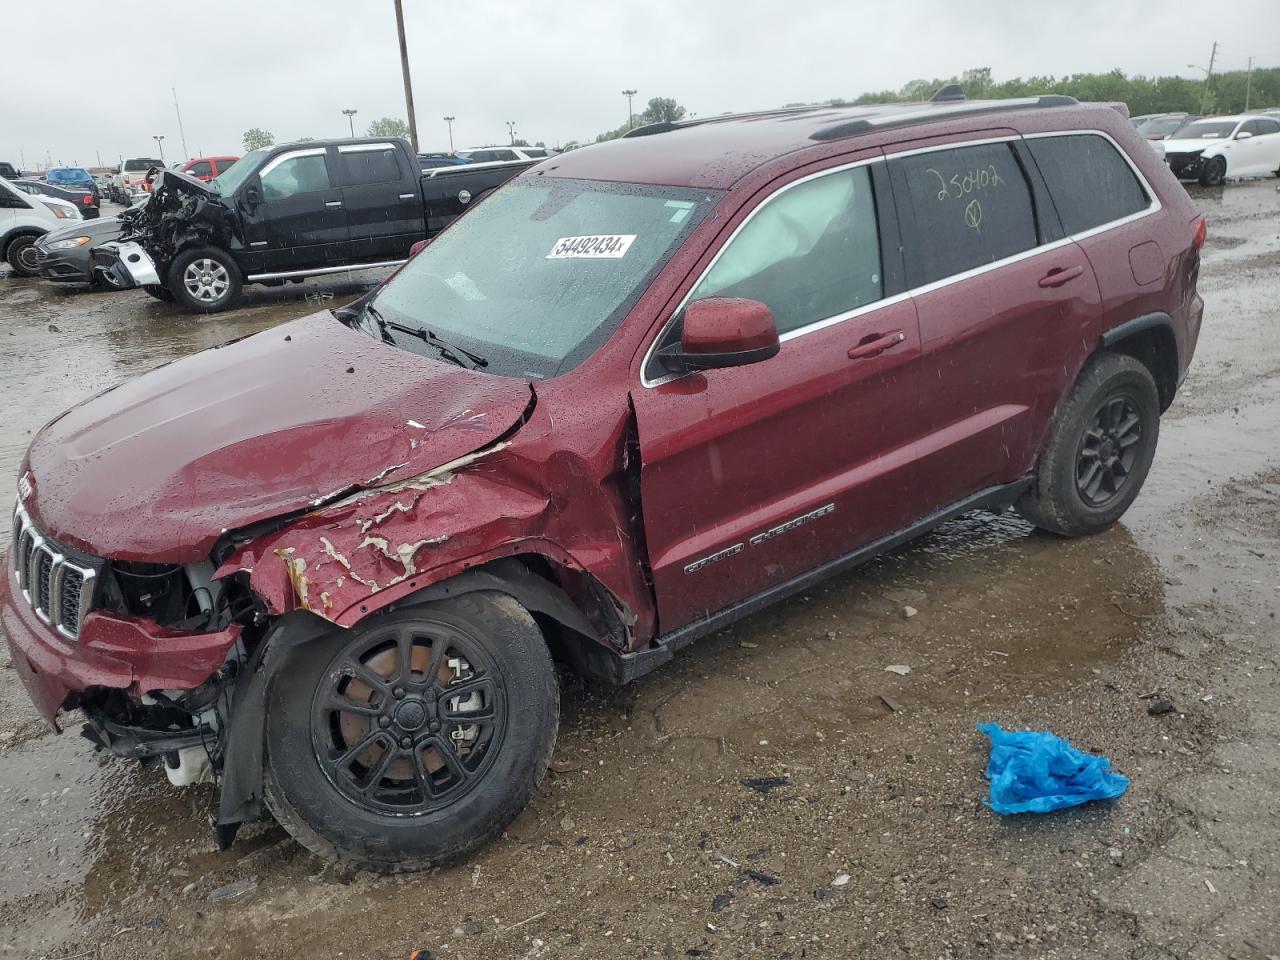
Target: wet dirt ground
(644, 842)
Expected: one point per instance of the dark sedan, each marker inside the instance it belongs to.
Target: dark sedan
(86, 200)
(63, 254)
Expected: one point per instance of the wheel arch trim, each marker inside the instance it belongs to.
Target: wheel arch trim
(1164, 370)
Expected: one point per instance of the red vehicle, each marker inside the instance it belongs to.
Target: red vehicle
(641, 391)
(206, 168)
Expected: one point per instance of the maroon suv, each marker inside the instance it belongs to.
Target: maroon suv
(641, 391)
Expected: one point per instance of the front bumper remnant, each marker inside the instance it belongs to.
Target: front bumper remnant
(126, 264)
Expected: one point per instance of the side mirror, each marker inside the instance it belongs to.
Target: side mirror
(1243, 135)
(418, 247)
(252, 196)
(722, 332)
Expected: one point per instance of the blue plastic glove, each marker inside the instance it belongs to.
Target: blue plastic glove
(1039, 772)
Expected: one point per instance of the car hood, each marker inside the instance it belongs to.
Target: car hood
(1193, 146)
(101, 230)
(158, 468)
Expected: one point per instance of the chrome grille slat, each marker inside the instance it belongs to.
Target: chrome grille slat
(59, 589)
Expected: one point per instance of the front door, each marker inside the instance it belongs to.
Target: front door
(753, 475)
(299, 222)
(382, 200)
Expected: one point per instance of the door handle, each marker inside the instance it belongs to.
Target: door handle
(1060, 275)
(333, 203)
(407, 196)
(876, 344)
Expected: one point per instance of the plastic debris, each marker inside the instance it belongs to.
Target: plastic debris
(901, 669)
(1039, 772)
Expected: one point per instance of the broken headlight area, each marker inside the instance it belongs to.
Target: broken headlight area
(182, 212)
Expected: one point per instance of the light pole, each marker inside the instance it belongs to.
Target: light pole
(511, 131)
(631, 117)
(351, 124)
(449, 121)
(159, 138)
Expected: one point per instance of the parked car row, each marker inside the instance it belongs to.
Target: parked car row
(25, 217)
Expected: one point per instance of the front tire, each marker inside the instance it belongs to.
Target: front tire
(1101, 445)
(204, 279)
(412, 740)
(1214, 172)
(22, 256)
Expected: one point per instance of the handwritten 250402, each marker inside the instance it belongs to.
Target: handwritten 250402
(959, 186)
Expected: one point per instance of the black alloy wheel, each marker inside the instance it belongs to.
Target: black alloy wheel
(1109, 450)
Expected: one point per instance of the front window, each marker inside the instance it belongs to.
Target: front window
(1206, 130)
(537, 277)
(1160, 128)
(303, 174)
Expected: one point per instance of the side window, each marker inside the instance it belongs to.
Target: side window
(1249, 126)
(305, 174)
(809, 253)
(962, 208)
(369, 166)
(224, 165)
(201, 169)
(1269, 126)
(1091, 184)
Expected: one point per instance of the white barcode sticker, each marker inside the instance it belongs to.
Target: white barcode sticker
(601, 246)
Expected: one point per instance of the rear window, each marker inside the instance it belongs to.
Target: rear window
(1090, 182)
(368, 166)
(962, 208)
(142, 164)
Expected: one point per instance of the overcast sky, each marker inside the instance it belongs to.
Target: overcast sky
(556, 67)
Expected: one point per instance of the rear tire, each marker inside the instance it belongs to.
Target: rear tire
(1214, 172)
(204, 279)
(370, 764)
(1101, 445)
(22, 256)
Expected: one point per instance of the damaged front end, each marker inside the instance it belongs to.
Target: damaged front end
(181, 212)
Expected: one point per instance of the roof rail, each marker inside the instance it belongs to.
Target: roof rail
(666, 126)
(967, 108)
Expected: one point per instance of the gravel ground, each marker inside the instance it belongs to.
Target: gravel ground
(645, 842)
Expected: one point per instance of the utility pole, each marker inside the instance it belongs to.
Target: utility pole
(1248, 82)
(408, 84)
(449, 121)
(351, 124)
(159, 138)
(631, 115)
(181, 133)
(1208, 76)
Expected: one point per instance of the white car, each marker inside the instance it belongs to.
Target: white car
(499, 153)
(23, 220)
(1215, 148)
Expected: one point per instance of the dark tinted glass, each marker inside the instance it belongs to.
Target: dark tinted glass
(962, 208)
(1090, 182)
(201, 169)
(369, 166)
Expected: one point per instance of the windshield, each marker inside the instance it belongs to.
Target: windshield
(1206, 130)
(141, 164)
(228, 181)
(69, 175)
(539, 275)
(1162, 127)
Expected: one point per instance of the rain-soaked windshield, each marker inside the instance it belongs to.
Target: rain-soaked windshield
(1206, 130)
(538, 275)
(227, 182)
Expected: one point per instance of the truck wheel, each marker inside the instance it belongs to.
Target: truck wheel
(159, 292)
(1101, 444)
(22, 256)
(205, 279)
(413, 739)
(1214, 172)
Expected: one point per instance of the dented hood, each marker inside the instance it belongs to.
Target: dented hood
(160, 466)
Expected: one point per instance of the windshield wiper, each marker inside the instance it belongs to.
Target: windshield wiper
(448, 351)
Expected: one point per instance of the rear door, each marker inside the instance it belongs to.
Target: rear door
(299, 222)
(752, 476)
(382, 199)
(1003, 301)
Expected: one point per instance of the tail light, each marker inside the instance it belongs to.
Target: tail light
(88, 199)
(1200, 230)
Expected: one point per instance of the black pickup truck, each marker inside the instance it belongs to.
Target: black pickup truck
(289, 212)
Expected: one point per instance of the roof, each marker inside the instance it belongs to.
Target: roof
(716, 152)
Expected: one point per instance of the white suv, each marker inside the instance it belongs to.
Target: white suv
(23, 220)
